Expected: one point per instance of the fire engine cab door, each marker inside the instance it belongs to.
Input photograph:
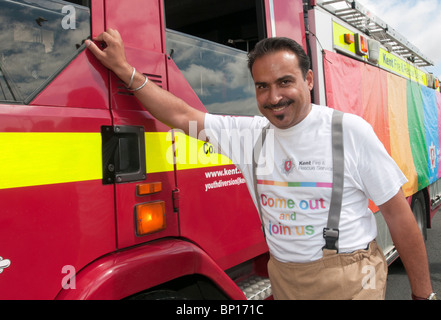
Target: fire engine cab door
(56, 216)
(138, 143)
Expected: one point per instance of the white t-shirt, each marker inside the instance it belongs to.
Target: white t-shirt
(295, 179)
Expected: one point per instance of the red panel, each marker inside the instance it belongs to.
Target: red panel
(126, 109)
(142, 35)
(288, 19)
(223, 221)
(81, 85)
(139, 29)
(125, 208)
(21, 118)
(45, 228)
(97, 10)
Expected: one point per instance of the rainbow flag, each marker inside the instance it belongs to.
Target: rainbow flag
(404, 114)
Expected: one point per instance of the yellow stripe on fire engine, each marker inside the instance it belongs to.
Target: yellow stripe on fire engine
(191, 153)
(339, 37)
(39, 158)
(386, 60)
(42, 158)
(157, 147)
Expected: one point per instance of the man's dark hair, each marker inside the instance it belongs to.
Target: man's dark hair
(271, 45)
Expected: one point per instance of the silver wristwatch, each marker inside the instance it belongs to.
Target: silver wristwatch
(432, 296)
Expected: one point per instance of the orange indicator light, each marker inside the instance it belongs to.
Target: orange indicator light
(148, 188)
(150, 217)
(349, 38)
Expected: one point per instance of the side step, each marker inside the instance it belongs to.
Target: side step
(256, 288)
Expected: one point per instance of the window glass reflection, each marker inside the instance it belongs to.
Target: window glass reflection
(218, 74)
(37, 38)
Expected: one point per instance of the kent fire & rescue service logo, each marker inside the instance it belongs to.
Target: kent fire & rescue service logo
(287, 166)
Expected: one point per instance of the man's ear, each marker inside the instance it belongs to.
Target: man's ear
(310, 79)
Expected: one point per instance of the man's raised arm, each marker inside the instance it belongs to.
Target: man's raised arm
(163, 105)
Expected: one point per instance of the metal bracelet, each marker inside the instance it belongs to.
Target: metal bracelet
(131, 78)
(141, 86)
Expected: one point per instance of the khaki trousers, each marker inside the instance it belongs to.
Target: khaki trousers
(360, 275)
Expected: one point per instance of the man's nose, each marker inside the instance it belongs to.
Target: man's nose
(274, 95)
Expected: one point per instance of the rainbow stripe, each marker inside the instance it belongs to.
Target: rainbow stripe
(295, 184)
(405, 115)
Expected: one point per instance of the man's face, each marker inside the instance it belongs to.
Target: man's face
(283, 95)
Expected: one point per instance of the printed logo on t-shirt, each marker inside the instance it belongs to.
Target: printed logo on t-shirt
(287, 166)
(314, 165)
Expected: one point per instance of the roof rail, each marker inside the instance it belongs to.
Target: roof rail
(356, 15)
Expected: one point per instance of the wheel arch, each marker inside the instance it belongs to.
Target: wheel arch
(125, 273)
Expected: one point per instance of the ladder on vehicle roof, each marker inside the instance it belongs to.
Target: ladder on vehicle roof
(361, 18)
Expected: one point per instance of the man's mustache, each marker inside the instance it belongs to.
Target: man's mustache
(282, 103)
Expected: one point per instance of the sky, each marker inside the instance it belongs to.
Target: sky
(419, 21)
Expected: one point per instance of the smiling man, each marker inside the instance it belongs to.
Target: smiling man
(300, 158)
(282, 88)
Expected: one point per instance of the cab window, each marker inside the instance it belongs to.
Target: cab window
(209, 41)
(38, 38)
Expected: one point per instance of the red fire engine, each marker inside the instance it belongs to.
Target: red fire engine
(101, 201)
